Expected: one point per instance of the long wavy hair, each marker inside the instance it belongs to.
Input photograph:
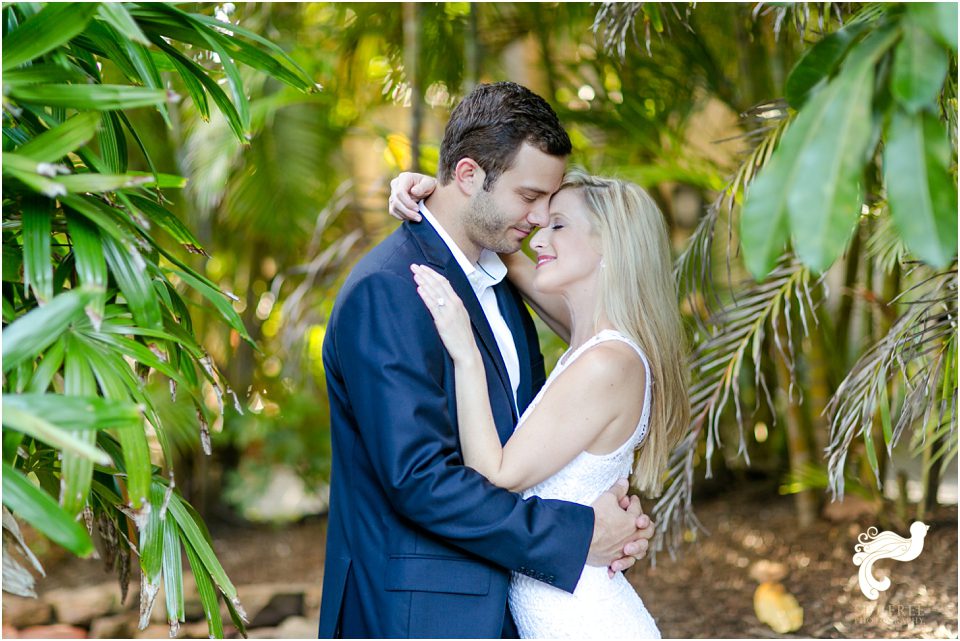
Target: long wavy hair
(639, 297)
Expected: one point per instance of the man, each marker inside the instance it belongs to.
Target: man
(417, 544)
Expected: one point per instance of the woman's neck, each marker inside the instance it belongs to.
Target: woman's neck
(585, 323)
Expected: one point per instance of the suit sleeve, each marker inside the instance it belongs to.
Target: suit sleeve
(392, 362)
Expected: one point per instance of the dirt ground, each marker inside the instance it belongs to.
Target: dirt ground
(707, 592)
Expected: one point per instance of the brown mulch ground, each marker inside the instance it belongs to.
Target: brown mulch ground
(708, 592)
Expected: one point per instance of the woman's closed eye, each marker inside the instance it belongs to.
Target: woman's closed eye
(556, 226)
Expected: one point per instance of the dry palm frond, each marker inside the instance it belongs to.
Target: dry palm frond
(17, 579)
(885, 245)
(694, 268)
(917, 347)
(325, 261)
(798, 14)
(617, 21)
(716, 365)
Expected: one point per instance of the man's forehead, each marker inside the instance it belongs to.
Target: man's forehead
(536, 171)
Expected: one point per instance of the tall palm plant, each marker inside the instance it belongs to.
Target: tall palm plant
(95, 303)
(856, 162)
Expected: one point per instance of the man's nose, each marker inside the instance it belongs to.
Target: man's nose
(539, 215)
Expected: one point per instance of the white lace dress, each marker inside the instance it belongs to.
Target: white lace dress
(599, 607)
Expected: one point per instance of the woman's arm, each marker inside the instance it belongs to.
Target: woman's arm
(479, 441)
(574, 413)
(550, 308)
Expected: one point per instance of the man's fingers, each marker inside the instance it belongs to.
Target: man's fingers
(625, 502)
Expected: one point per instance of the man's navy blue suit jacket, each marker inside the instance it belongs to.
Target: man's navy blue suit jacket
(418, 545)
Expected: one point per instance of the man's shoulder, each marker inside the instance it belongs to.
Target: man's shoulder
(391, 256)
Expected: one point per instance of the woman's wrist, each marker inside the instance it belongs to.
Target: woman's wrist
(469, 358)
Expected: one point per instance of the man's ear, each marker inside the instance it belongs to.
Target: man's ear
(469, 176)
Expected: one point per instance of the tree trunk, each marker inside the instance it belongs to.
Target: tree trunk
(546, 51)
(412, 30)
(798, 449)
(845, 311)
(820, 390)
(472, 50)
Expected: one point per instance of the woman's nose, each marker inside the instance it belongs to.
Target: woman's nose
(537, 242)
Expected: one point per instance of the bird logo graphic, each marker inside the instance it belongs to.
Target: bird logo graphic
(874, 545)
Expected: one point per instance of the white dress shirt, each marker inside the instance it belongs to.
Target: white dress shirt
(488, 271)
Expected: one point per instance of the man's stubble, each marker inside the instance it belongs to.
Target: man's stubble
(487, 226)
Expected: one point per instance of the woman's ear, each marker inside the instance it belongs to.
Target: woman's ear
(469, 176)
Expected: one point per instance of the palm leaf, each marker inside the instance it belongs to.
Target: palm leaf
(33, 332)
(738, 334)
(694, 271)
(55, 25)
(39, 509)
(910, 351)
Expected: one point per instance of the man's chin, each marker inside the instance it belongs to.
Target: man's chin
(509, 248)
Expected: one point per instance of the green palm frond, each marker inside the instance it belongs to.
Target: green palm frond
(919, 351)
(737, 335)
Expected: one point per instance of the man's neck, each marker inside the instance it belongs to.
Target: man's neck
(447, 208)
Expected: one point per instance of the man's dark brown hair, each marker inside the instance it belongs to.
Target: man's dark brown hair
(491, 123)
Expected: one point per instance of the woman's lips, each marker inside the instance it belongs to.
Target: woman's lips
(543, 260)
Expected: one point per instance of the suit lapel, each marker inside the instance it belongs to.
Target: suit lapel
(439, 257)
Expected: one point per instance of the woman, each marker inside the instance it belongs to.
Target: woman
(603, 280)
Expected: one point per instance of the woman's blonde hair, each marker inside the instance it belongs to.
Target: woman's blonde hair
(639, 296)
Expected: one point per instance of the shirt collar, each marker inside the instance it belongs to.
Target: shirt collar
(487, 272)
